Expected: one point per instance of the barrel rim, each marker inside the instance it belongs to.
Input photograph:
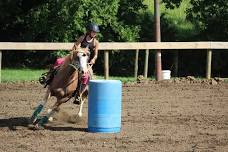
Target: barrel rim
(105, 81)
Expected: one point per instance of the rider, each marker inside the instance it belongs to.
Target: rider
(88, 41)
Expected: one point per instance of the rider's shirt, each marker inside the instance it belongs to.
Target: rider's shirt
(87, 44)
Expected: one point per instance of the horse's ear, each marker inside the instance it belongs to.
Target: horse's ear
(71, 55)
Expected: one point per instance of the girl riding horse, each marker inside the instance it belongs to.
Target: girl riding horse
(71, 78)
(90, 44)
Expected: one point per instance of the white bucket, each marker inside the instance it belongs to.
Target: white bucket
(166, 74)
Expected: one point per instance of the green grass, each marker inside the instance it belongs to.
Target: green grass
(17, 75)
(13, 75)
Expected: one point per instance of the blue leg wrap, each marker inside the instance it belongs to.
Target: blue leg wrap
(43, 121)
(36, 112)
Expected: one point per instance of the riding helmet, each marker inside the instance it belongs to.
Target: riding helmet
(93, 27)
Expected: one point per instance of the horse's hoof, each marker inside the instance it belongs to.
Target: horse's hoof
(74, 119)
(39, 127)
(50, 119)
(76, 101)
(80, 115)
(35, 127)
(33, 120)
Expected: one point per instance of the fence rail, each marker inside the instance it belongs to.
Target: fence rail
(112, 46)
(115, 45)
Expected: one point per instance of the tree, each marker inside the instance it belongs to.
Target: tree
(211, 17)
(172, 3)
(65, 20)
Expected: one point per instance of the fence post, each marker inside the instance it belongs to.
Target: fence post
(146, 63)
(136, 63)
(106, 64)
(175, 71)
(208, 66)
(0, 66)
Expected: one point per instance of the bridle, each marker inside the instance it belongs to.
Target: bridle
(80, 61)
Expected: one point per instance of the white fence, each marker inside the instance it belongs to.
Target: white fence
(112, 46)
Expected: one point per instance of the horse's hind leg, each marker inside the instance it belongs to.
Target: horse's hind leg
(40, 107)
(82, 100)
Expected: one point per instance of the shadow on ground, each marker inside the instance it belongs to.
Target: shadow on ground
(13, 123)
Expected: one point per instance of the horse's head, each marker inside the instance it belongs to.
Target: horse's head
(80, 60)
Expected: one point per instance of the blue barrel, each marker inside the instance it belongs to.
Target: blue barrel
(104, 106)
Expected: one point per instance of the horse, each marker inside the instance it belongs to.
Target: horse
(64, 85)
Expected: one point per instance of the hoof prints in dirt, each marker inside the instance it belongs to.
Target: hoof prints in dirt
(181, 115)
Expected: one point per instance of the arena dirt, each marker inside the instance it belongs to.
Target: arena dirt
(178, 115)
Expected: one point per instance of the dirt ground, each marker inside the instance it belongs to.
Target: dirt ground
(177, 115)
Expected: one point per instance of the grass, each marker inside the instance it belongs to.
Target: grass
(13, 75)
(17, 75)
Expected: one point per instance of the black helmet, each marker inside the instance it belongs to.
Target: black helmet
(93, 27)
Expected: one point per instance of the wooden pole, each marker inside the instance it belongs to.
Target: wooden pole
(136, 63)
(146, 63)
(158, 62)
(106, 64)
(208, 66)
(0, 66)
(176, 63)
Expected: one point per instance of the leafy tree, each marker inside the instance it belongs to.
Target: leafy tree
(211, 17)
(172, 3)
(65, 20)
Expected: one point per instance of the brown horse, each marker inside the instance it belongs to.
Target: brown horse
(64, 84)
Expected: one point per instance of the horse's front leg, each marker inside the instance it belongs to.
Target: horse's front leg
(51, 111)
(40, 107)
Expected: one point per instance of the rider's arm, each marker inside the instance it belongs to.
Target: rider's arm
(93, 60)
(96, 49)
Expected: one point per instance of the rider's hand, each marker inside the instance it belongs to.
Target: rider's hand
(92, 61)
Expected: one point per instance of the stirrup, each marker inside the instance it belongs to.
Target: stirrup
(77, 100)
(43, 78)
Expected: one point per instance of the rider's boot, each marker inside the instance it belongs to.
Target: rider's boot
(50, 76)
(80, 90)
(79, 93)
(46, 78)
(77, 99)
